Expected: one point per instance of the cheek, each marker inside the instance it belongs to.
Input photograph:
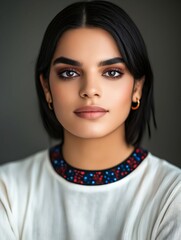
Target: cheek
(122, 94)
(60, 100)
(58, 96)
(63, 101)
(62, 92)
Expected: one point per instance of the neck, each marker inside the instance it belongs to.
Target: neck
(95, 154)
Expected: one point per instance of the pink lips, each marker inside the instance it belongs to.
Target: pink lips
(90, 112)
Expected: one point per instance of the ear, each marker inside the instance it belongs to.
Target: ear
(46, 89)
(137, 89)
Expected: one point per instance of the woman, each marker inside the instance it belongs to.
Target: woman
(95, 89)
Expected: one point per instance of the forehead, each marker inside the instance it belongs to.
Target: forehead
(86, 43)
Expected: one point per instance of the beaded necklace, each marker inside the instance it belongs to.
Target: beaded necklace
(95, 177)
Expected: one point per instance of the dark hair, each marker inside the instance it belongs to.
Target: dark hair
(114, 20)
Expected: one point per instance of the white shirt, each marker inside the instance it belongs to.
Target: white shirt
(38, 204)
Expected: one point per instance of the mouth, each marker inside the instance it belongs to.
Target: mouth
(90, 112)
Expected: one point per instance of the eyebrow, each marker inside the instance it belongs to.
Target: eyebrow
(111, 61)
(78, 64)
(67, 61)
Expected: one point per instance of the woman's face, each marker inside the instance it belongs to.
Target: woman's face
(90, 86)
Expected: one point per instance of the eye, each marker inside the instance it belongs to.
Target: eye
(67, 74)
(113, 73)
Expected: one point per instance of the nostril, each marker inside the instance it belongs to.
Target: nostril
(85, 95)
(89, 93)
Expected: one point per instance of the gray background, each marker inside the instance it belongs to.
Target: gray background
(22, 25)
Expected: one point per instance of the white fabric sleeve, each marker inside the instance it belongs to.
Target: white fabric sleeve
(170, 224)
(8, 231)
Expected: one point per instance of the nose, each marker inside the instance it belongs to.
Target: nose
(90, 89)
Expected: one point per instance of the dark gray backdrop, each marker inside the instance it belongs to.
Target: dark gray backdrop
(22, 24)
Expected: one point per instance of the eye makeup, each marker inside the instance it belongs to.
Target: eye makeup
(113, 73)
(114, 70)
(67, 73)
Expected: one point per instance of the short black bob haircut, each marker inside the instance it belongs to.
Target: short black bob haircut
(113, 19)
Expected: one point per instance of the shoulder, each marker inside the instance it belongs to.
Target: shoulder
(159, 182)
(162, 169)
(19, 183)
(157, 185)
(21, 179)
(166, 190)
(161, 176)
(15, 175)
(23, 165)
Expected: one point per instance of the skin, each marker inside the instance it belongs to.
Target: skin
(96, 140)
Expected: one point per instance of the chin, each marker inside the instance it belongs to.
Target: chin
(92, 135)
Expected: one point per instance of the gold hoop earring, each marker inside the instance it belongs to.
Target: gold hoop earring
(50, 106)
(135, 107)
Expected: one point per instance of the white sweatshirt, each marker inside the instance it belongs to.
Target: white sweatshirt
(38, 204)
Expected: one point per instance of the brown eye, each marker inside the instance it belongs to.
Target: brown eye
(113, 73)
(68, 74)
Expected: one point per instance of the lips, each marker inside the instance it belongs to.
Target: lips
(90, 112)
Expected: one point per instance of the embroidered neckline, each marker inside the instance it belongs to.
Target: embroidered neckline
(92, 177)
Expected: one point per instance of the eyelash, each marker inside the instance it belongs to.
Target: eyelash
(65, 71)
(115, 70)
(75, 73)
